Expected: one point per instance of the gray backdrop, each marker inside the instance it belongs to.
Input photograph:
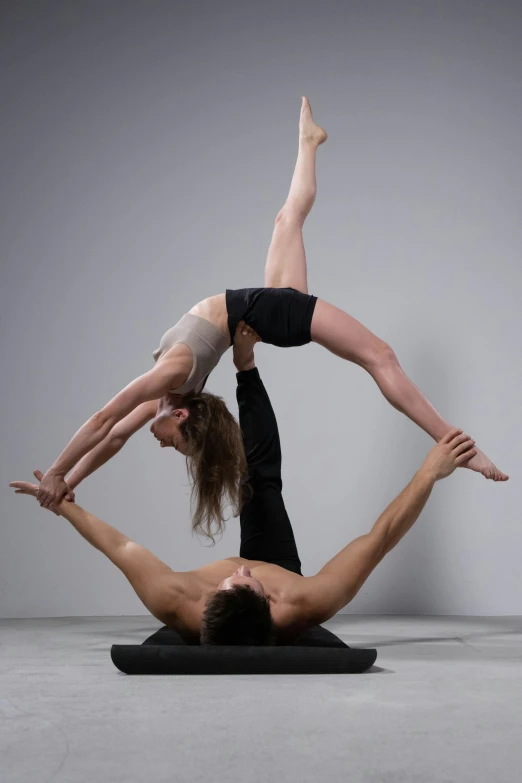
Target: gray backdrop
(146, 149)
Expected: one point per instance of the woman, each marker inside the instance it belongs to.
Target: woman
(282, 313)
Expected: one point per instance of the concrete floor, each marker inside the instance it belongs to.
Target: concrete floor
(444, 703)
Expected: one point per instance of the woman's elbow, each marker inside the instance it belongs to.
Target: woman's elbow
(117, 442)
(102, 421)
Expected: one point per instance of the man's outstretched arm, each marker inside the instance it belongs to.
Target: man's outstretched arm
(156, 585)
(341, 578)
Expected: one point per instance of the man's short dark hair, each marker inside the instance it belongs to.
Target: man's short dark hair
(237, 616)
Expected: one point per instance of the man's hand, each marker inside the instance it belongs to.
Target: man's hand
(244, 340)
(26, 488)
(451, 452)
(72, 483)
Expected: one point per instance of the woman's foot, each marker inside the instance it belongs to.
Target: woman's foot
(481, 464)
(308, 129)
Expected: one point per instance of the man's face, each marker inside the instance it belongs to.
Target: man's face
(242, 577)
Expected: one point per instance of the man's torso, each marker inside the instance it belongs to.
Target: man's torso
(285, 589)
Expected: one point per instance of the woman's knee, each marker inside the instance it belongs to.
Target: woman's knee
(380, 356)
(290, 217)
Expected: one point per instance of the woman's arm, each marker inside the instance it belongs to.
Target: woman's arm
(167, 374)
(112, 443)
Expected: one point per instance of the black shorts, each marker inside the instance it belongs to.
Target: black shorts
(280, 316)
(266, 531)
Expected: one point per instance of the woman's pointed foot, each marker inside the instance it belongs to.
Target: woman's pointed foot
(481, 464)
(308, 129)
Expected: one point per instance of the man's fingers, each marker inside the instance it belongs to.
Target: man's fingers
(465, 456)
(24, 488)
(450, 435)
(465, 445)
(22, 485)
(458, 440)
(38, 474)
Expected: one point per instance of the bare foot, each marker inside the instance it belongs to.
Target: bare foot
(481, 464)
(307, 127)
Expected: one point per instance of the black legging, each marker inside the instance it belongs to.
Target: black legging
(266, 531)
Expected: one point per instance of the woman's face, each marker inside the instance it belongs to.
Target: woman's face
(167, 422)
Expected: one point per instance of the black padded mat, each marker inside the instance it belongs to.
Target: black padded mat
(314, 637)
(318, 651)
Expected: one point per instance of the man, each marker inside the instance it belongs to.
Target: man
(261, 597)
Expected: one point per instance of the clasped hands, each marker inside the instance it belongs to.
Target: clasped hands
(52, 488)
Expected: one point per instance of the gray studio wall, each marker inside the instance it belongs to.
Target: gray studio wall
(146, 149)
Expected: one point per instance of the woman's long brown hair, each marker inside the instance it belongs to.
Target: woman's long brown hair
(216, 462)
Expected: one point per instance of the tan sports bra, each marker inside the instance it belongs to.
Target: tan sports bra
(207, 343)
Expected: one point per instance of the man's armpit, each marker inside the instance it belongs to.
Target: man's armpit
(323, 596)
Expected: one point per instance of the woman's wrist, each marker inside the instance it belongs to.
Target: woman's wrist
(73, 480)
(55, 472)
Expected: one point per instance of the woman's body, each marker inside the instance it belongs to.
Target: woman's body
(154, 395)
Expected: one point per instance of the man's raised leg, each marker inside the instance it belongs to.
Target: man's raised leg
(266, 531)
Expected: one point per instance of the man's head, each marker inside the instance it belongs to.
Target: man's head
(238, 613)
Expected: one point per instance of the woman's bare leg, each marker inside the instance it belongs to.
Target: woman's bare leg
(331, 327)
(349, 339)
(286, 260)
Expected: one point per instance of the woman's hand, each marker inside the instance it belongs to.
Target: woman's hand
(52, 490)
(26, 488)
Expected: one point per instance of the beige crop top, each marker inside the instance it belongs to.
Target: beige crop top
(207, 343)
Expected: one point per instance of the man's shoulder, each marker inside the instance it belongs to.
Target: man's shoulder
(294, 613)
(182, 603)
(308, 604)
